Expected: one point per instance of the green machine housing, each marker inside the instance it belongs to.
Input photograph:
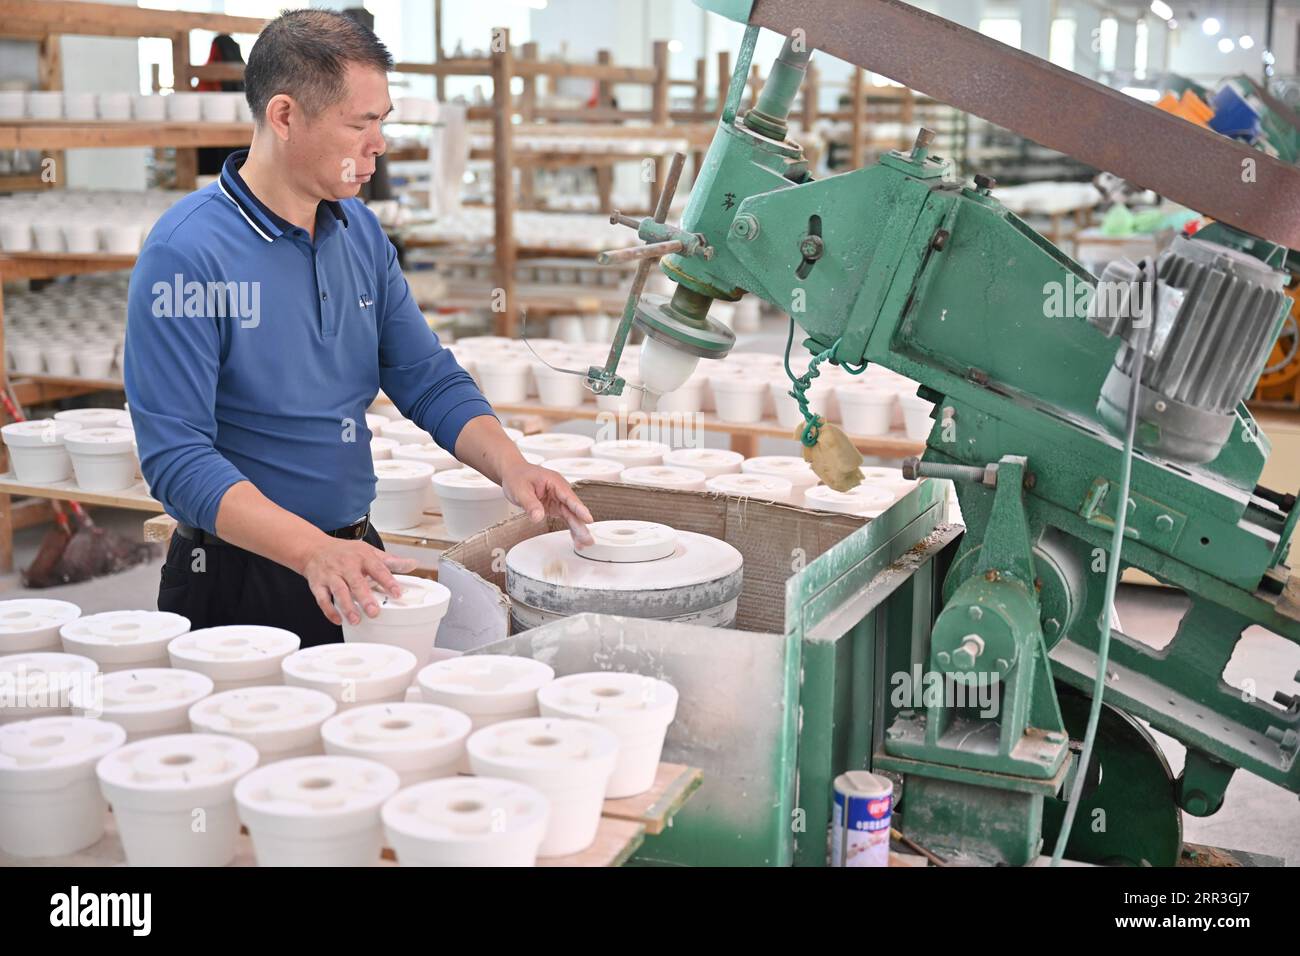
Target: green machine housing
(903, 266)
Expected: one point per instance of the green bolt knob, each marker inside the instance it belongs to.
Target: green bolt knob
(943, 657)
(1051, 627)
(1164, 523)
(975, 611)
(744, 227)
(1196, 804)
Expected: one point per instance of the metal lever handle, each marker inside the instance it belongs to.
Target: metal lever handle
(653, 250)
(605, 381)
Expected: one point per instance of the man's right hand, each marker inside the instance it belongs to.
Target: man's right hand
(339, 573)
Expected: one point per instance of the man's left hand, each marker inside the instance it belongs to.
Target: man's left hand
(544, 493)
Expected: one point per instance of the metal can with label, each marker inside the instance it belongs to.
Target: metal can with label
(864, 805)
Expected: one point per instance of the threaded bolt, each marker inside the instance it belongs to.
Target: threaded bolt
(969, 651)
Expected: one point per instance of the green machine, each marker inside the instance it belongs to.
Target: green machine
(1071, 411)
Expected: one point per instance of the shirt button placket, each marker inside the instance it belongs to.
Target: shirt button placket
(327, 324)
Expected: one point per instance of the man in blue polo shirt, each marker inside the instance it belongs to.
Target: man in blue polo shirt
(265, 312)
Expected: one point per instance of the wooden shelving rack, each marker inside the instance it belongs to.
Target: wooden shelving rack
(45, 22)
(503, 65)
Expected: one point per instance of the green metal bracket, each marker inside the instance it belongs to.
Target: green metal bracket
(1148, 519)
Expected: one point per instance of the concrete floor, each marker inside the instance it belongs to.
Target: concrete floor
(1257, 816)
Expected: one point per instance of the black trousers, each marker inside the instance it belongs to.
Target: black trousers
(219, 584)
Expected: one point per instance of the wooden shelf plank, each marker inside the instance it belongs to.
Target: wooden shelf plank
(73, 381)
(108, 19)
(653, 809)
(23, 134)
(50, 265)
(135, 498)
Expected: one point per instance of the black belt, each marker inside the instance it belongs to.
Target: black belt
(352, 532)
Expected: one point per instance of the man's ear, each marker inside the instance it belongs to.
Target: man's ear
(281, 112)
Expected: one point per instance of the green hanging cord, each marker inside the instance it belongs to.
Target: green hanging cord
(801, 384)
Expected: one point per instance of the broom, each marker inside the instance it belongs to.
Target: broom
(66, 556)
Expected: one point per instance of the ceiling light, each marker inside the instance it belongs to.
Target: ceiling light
(1211, 26)
(1247, 42)
(1226, 45)
(1161, 9)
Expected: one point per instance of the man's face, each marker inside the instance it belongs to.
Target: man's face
(335, 150)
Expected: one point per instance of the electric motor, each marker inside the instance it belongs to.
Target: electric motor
(1216, 314)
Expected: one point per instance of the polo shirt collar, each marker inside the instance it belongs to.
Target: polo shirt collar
(256, 213)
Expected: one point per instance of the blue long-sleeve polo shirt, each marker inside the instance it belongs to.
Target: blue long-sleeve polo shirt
(252, 352)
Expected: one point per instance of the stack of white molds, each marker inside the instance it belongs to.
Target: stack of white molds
(557, 388)
(419, 741)
(588, 469)
(470, 501)
(863, 501)
(687, 399)
(37, 452)
(32, 624)
(918, 415)
(352, 674)
(316, 811)
(401, 494)
(866, 407)
(123, 640)
(489, 688)
(631, 452)
(784, 406)
(281, 722)
(551, 445)
(504, 379)
(41, 684)
(890, 479)
(148, 702)
(405, 432)
(569, 761)
(633, 569)
(711, 461)
(410, 621)
(433, 454)
(466, 821)
(381, 449)
(636, 709)
(103, 459)
(381, 407)
(50, 804)
(664, 476)
(234, 656)
(790, 467)
(762, 487)
(740, 397)
(161, 789)
(92, 417)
